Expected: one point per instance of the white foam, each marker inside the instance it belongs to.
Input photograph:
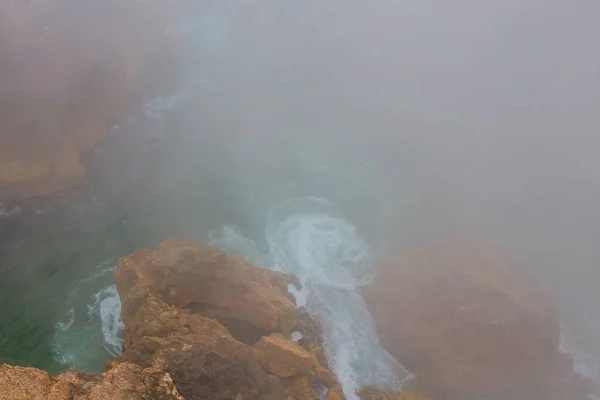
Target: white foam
(583, 363)
(64, 326)
(156, 107)
(7, 212)
(93, 309)
(296, 336)
(301, 295)
(107, 306)
(308, 237)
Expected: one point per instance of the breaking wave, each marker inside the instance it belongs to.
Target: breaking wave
(310, 238)
(93, 315)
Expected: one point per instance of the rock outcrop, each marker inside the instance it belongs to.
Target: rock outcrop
(284, 358)
(172, 298)
(124, 382)
(186, 337)
(470, 326)
(186, 340)
(248, 300)
(68, 71)
(373, 394)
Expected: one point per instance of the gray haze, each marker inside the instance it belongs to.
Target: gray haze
(421, 118)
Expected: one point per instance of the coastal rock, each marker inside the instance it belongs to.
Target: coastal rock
(124, 382)
(458, 315)
(283, 357)
(69, 71)
(248, 300)
(172, 301)
(193, 310)
(374, 394)
(24, 383)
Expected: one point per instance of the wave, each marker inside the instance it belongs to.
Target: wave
(583, 363)
(7, 212)
(93, 315)
(310, 238)
(107, 306)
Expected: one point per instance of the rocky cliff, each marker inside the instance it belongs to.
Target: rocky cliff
(471, 327)
(68, 71)
(200, 324)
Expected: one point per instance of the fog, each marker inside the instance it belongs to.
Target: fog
(421, 118)
(484, 111)
(417, 118)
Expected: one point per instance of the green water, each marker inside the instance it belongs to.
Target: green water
(44, 267)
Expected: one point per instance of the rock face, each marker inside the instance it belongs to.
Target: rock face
(372, 394)
(250, 301)
(68, 71)
(173, 299)
(470, 327)
(124, 382)
(169, 299)
(284, 358)
(194, 311)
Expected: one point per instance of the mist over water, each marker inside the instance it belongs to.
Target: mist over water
(309, 237)
(318, 138)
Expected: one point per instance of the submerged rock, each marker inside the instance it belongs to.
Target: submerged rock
(69, 71)
(459, 316)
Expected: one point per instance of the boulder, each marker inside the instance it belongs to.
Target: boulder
(248, 300)
(470, 326)
(69, 71)
(283, 357)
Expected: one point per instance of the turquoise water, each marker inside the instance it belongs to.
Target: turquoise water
(51, 267)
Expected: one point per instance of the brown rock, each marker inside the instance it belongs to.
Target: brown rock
(124, 382)
(17, 383)
(250, 301)
(173, 351)
(308, 327)
(470, 326)
(68, 71)
(129, 381)
(374, 394)
(284, 358)
(168, 297)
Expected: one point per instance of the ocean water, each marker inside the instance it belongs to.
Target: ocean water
(93, 316)
(310, 238)
(58, 303)
(297, 143)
